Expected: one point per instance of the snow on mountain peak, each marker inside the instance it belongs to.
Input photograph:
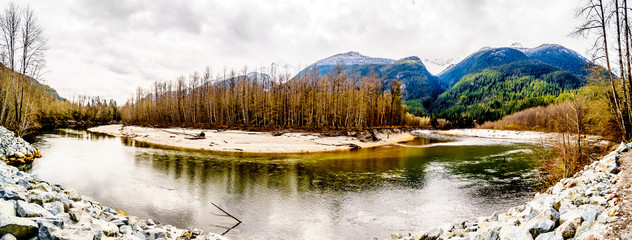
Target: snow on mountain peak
(437, 65)
(351, 58)
(550, 48)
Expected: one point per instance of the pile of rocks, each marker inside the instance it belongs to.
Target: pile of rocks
(14, 150)
(580, 207)
(33, 208)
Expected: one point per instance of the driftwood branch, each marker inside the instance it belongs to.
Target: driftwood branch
(227, 214)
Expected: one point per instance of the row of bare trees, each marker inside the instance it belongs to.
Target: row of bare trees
(334, 101)
(79, 111)
(22, 45)
(607, 22)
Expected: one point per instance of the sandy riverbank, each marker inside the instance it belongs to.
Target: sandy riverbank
(245, 141)
(520, 136)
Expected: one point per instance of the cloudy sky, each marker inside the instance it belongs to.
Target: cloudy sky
(109, 47)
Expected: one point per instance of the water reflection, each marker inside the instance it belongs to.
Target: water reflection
(370, 192)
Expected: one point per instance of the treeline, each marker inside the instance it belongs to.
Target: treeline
(334, 101)
(82, 111)
(585, 112)
(493, 93)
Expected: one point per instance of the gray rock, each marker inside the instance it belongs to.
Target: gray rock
(590, 213)
(43, 187)
(584, 227)
(134, 223)
(54, 208)
(20, 227)
(25, 209)
(73, 195)
(568, 228)
(538, 226)
(8, 236)
(107, 228)
(76, 214)
(12, 193)
(7, 208)
(56, 220)
(125, 229)
(487, 235)
(118, 220)
(571, 215)
(23, 183)
(550, 236)
(551, 214)
(48, 231)
(40, 197)
(514, 233)
(156, 233)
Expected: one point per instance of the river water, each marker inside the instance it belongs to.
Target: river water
(403, 189)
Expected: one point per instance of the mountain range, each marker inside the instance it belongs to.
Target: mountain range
(485, 85)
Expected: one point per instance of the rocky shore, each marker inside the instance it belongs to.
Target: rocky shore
(14, 150)
(581, 207)
(34, 209)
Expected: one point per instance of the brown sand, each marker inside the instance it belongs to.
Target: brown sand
(245, 141)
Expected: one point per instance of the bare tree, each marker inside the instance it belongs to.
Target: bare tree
(23, 47)
(596, 21)
(9, 28)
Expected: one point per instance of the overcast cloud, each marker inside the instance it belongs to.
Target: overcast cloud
(109, 47)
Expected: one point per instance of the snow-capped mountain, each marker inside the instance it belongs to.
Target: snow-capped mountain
(486, 57)
(482, 59)
(351, 58)
(437, 65)
(559, 56)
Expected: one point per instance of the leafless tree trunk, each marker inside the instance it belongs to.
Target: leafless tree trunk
(23, 47)
(595, 20)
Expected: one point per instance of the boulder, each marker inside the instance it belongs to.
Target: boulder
(550, 236)
(125, 230)
(13, 193)
(73, 195)
(539, 225)
(25, 209)
(20, 227)
(590, 213)
(551, 214)
(487, 235)
(7, 208)
(43, 187)
(48, 231)
(568, 228)
(571, 215)
(54, 208)
(514, 233)
(8, 236)
(107, 228)
(156, 233)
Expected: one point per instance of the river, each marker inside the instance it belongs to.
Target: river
(367, 193)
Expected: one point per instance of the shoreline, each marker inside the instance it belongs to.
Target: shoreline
(247, 141)
(31, 208)
(520, 136)
(584, 206)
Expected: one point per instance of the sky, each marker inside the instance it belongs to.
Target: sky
(109, 48)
